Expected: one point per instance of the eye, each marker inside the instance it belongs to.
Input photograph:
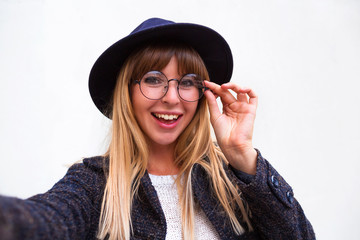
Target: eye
(153, 81)
(190, 81)
(187, 83)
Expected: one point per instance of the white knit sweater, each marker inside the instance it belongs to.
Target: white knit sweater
(169, 199)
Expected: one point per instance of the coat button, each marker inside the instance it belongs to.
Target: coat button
(275, 181)
(290, 196)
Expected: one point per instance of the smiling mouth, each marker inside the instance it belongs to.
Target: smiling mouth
(166, 118)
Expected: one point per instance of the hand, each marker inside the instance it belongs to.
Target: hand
(234, 126)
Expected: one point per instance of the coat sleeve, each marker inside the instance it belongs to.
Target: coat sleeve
(67, 211)
(275, 213)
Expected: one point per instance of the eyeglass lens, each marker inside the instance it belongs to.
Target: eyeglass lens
(154, 85)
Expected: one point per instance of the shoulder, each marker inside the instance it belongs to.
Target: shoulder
(87, 174)
(91, 165)
(97, 163)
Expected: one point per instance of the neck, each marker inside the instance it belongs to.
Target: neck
(161, 160)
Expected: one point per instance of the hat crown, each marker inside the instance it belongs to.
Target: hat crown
(151, 23)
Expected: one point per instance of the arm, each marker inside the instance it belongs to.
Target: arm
(67, 211)
(275, 212)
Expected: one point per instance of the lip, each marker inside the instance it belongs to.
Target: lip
(167, 125)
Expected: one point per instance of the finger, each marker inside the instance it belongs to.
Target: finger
(224, 94)
(213, 107)
(253, 97)
(242, 91)
(242, 97)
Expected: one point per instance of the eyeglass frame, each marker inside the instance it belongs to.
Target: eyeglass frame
(203, 88)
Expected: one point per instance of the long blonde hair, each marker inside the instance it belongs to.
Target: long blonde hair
(128, 150)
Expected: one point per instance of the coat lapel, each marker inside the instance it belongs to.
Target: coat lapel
(147, 215)
(209, 204)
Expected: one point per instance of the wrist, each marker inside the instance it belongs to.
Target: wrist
(244, 161)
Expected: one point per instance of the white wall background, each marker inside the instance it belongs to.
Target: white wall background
(302, 58)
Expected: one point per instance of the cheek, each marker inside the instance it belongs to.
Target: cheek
(138, 109)
(191, 109)
(135, 97)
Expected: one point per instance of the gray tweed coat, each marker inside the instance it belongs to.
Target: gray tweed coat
(71, 209)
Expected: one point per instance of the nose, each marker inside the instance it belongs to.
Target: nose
(171, 96)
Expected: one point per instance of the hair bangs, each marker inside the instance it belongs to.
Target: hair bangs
(155, 57)
(189, 61)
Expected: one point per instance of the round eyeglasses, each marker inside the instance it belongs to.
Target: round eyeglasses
(154, 85)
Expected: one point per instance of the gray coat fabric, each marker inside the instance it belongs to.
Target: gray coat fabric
(71, 209)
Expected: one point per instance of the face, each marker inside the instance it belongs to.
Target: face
(165, 119)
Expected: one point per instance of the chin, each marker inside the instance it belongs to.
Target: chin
(164, 141)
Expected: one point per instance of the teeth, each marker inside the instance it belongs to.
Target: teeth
(166, 117)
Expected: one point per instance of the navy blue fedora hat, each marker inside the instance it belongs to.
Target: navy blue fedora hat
(210, 45)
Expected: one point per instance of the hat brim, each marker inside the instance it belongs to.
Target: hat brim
(210, 45)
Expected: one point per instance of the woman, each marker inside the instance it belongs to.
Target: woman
(163, 176)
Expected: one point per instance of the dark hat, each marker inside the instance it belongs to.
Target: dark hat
(210, 45)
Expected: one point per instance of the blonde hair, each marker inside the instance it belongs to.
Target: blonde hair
(128, 150)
